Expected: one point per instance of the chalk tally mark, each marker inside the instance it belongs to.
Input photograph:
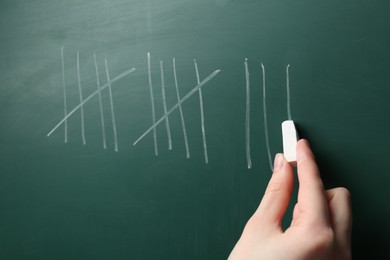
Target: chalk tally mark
(183, 124)
(81, 99)
(64, 89)
(164, 100)
(247, 117)
(206, 157)
(153, 106)
(265, 119)
(112, 108)
(288, 92)
(100, 104)
(181, 101)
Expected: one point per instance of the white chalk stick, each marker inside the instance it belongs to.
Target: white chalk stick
(290, 139)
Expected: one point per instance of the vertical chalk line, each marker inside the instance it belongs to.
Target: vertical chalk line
(81, 99)
(183, 124)
(112, 108)
(206, 158)
(288, 93)
(181, 101)
(164, 100)
(247, 117)
(100, 104)
(153, 108)
(265, 119)
(64, 88)
(120, 76)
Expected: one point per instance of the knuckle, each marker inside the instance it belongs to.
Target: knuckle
(321, 240)
(275, 187)
(253, 226)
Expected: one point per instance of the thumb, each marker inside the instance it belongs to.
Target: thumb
(277, 195)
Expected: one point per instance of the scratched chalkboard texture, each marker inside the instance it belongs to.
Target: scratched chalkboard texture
(137, 130)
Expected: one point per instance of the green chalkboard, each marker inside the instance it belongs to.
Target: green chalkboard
(135, 129)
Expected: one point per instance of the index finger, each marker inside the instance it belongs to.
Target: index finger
(313, 207)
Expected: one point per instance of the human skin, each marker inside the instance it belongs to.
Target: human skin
(322, 219)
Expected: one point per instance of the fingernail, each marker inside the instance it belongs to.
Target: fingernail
(279, 161)
(306, 141)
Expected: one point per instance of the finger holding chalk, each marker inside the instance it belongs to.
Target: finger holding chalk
(290, 139)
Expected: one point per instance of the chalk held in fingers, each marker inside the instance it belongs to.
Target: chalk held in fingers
(290, 139)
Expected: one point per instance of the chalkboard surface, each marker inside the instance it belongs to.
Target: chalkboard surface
(136, 129)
